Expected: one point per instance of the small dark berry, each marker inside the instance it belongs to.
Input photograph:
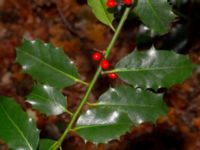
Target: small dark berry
(111, 3)
(112, 76)
(96, 56)
(105, 64)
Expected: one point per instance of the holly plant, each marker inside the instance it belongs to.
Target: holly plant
(116, 110)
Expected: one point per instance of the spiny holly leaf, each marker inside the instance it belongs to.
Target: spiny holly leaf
(16, 128)
(154, 69)
(47, 64)
(102, 125)
(101, 12)
(45, 144)
(156, 14)
(109, 119)
(47, 100)
(141, 106)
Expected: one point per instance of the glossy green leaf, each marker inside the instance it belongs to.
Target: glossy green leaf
(154, 69)
(141, 106)
(102, 125)
(47, 64)
(115, 112)
(157, 14)
(47, 100)
(101, 12)
(16, 128)
(45, 144)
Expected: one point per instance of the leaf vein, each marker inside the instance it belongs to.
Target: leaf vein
(147, 69)
(14, 124)
(54, 101)
(53, 68)
(97, 125)
(124, 105)
(154, 12)
(109, 20)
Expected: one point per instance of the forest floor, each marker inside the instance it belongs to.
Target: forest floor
(71, 25)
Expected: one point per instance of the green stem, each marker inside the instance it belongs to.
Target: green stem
(92, 83)
(115, 36)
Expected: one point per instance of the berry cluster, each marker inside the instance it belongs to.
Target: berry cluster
(113, 3)
(104, 64)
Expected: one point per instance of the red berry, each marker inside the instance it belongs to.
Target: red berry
(111, 3)
(96, 56)
(112, 76)
(128, 2)
(105, 64)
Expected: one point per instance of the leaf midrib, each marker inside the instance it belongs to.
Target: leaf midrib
(18, 129)
(148, 69)
(109, 20)
(154, 12)
(99, 125)
(124, 105)
(44, 98)
(53, 68)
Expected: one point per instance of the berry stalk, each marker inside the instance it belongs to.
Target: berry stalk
(58, 143)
